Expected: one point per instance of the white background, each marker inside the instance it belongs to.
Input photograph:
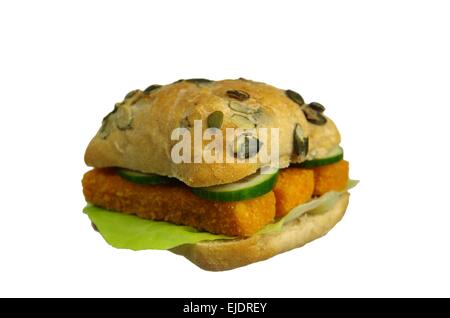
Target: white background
(380, 67)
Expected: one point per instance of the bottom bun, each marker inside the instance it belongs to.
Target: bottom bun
(224, 255)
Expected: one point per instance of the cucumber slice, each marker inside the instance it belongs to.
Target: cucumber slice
(250, 187)
(335, 155)
(143, 178)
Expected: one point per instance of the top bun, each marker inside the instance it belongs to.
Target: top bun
(137, 133)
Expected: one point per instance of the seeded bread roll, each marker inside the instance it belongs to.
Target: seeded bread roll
(137, 133)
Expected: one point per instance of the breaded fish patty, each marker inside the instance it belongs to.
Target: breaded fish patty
(333, 177)
(294, 186)
(177, 204)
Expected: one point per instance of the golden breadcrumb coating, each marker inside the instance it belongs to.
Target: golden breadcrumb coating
(177, 204)
(333, 177)
(294, 186)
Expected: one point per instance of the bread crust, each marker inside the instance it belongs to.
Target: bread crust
(226, 255)
(144, 144)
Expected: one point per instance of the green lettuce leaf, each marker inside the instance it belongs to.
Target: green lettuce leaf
(131, 232)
